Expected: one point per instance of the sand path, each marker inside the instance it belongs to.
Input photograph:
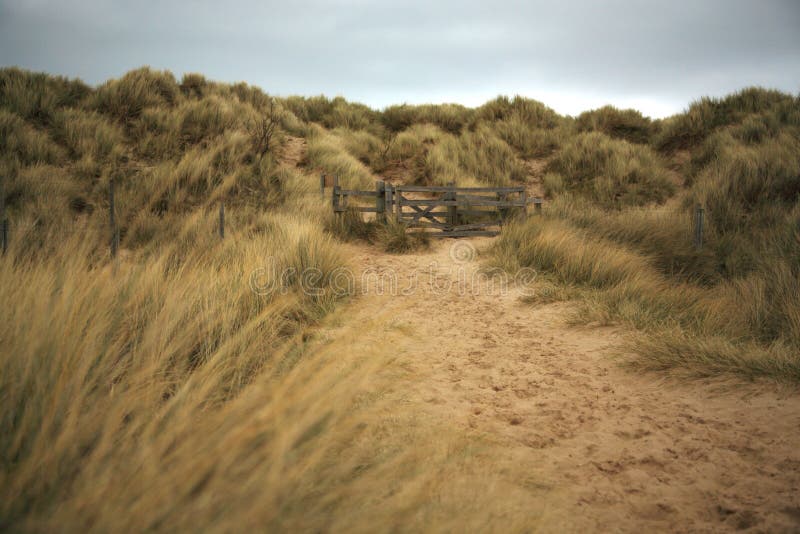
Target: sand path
(609, 449)
(606, 449)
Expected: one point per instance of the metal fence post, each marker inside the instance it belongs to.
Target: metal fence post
(699, 214)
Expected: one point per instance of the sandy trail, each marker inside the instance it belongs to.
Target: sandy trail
(293, 151)
(609, 450)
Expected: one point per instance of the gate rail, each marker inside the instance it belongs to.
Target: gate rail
(454, 211)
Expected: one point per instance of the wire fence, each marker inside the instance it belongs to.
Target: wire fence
(27, 233)
(33, 231)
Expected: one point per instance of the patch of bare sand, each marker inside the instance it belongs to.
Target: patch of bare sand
(605, 449)
(536, 170)
(293, 151)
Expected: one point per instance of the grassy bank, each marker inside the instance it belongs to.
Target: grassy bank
(181, 385)
(728, 307)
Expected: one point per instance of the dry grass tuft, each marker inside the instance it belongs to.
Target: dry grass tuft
(183, 386)
(610, 171)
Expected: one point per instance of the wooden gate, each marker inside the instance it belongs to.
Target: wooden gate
(457, 211)
(444, 211)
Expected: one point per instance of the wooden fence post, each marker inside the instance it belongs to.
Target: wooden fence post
(322, 185)
(537, 205)
(699, 214)
(387, 205)
(380, 201)
(452, 211)
(502, 212)
(221, 220)
(335, 194)
(398, 204)
(3, 213)
(112, 219)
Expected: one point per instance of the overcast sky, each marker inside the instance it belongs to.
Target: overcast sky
(656, 56)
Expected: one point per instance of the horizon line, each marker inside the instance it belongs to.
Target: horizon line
(470, 104)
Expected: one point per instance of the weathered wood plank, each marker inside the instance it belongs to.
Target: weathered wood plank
(494, 203)
(423, 213)
(423, 224)
(398, 204)
(433, 213)
(416, 210)
(361, 209)
(380, 200)
(478, 197)
(480, 205)
(466, 233)
(459, 202)
(452, 211)
(388, 207)
(477, 213)
(466, 190)
(357, 193)
(335, 193)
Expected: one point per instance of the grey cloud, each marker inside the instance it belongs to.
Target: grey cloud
(580, 53)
